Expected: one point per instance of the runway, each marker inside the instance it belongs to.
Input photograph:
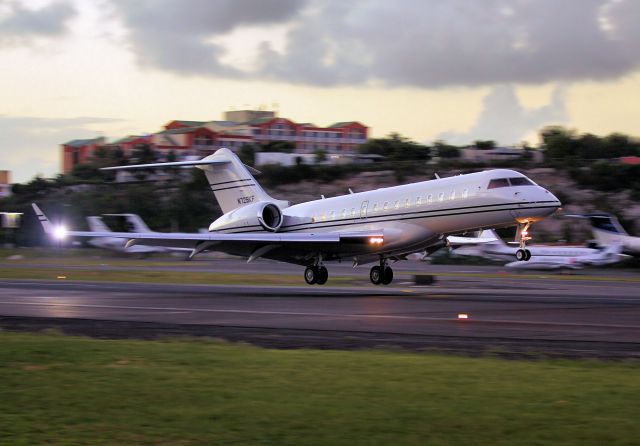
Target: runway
(592, 318)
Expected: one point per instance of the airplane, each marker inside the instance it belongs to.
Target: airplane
(118, 244)
(544, 257)
(607, 256)
(382, 225)
(607, 230)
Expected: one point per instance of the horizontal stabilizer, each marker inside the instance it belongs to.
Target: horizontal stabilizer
(172, 164)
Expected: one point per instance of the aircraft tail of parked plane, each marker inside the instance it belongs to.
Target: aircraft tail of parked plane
(382, 225)
(97, 225)
(607, 230)
(134, 222)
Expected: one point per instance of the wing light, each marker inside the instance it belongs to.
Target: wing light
(59, 232)
(376, 240)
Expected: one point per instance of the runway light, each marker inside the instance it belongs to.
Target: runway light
(376, 240)
(62, 277)
(59, 232)
(463, 316)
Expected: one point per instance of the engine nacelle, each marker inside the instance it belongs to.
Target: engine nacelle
(263, 214)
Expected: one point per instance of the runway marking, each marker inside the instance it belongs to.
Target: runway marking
(352, 316)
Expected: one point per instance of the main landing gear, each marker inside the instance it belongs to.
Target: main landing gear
(522, 236)
(381, 274)
(317, 274)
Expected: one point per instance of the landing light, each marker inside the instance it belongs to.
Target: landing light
(59, 232)
(463, 316)
(376, 240)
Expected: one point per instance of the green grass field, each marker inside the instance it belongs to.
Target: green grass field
(56, 389)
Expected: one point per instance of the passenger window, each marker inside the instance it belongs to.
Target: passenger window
(331, 215)
(430, 199)
(465, 193)
(344, 213)
(453, 195)
(353, 212)
(520, 181)
(397, 205)
(407, 203)
(441, 196)
(375, 207)
(386, 206)
(498, 182)
(418, 201)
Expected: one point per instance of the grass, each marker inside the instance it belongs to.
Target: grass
(56, 389)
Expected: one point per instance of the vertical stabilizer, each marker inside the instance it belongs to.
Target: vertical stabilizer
(97, 225)
(232, 183)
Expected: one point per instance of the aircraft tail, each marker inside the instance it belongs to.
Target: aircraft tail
(134, 223)
(230, 180)
(97, 225)
(232, 183)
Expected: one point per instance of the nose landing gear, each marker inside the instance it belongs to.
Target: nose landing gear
(522, 236)
(381, 274)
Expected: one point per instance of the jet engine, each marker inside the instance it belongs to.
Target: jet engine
(264, 214)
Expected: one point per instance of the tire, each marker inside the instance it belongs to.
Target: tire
(323, 275)
(387, 278)
(375, 275)
(310, 275)
(521, 255)
(528, 255)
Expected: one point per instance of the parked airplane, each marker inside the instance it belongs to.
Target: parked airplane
(545, 257)
(382, 225)
(607, 230)
(113, 243)
(606, 256)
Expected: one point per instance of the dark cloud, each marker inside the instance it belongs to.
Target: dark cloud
(175, 35)
(421, 43)
(505, 120)
(21, 22)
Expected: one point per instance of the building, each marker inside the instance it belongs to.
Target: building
(79, 151)
(475, 155)
(5, 183)
(186, 138)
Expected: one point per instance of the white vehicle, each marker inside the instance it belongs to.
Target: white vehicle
(118, 244)
(382, 225)
(545, 257)
(607, 230)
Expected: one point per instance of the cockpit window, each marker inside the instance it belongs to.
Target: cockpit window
(498, 182)
(520, 181)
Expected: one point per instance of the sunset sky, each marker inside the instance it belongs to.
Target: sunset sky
(457, 70)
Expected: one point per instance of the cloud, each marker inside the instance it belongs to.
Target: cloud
(177, 37)
(505, 120)
(30, 145)
(419, 43)
(19, 23)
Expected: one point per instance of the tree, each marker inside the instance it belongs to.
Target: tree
(445, 150)
(484, 145)
(248, 154)
(278, 146)
(321, 156)
(396, 147)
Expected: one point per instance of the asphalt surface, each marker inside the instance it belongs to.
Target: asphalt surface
(551, 316)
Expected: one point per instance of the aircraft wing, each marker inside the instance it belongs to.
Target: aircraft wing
(250, 244)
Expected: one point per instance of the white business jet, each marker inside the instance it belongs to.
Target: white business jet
(607, 230)
(543, 257)
(382, 225)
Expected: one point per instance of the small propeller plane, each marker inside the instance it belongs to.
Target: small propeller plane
(382, 225)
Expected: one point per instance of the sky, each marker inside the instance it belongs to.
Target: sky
(458, 70)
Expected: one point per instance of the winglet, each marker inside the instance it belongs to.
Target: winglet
(44, 221)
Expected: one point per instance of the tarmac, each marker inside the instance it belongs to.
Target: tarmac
(470, 310)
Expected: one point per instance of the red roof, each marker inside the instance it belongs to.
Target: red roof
(630, 160)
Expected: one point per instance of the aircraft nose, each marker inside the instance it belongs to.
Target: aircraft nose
(550, 197)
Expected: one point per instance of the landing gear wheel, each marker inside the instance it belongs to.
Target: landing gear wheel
(375, 275)
(528, 255)
(310, 275)
(521, 255)
(387, 278)
(322, 276)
